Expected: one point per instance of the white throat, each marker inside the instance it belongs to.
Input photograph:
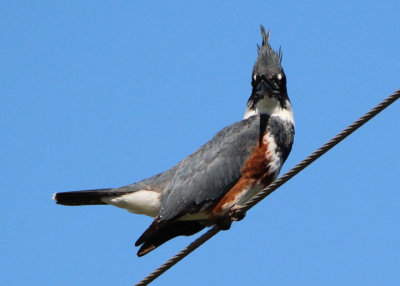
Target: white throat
(271, 107)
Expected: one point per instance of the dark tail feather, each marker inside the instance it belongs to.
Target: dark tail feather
(160, 232)
(88, 197)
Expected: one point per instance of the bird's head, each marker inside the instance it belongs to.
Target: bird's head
(268, 81)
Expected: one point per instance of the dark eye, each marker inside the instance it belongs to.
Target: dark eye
(257, 78)
(279, 80)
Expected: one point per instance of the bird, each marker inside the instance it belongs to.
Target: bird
(205, 188)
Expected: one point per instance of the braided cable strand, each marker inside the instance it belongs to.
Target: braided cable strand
(179, 256)
(273, 186)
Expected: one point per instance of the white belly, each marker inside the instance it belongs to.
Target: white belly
(140, 202)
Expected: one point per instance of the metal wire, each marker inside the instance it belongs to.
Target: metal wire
(273, 186)
(178, 257)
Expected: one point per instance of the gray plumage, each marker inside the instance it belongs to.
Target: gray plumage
(268, 61)
(283, 132)
(156, 183)
(195, 182)
(205, 176)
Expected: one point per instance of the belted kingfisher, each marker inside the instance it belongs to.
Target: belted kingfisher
(204, 188)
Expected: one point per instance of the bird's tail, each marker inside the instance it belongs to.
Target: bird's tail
(87, 197)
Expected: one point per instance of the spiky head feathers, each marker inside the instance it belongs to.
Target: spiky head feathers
(268, 61)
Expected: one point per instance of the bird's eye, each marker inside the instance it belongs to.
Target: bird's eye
(274, 79)
(257, 78)
(279, 80)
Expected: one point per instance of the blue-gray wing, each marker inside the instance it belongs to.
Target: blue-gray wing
(204, 177)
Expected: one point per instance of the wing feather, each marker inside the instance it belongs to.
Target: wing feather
(208, 174)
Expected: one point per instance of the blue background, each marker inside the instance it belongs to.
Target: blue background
(102, 94)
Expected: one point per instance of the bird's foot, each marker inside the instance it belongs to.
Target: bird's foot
(224, 223)
(235, 214)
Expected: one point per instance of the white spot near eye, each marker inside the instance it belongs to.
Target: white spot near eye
(279, 76)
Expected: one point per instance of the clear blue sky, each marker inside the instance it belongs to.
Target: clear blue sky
(102, 94)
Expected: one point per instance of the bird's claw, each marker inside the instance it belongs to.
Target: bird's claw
(236, 215)
(224, 223)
